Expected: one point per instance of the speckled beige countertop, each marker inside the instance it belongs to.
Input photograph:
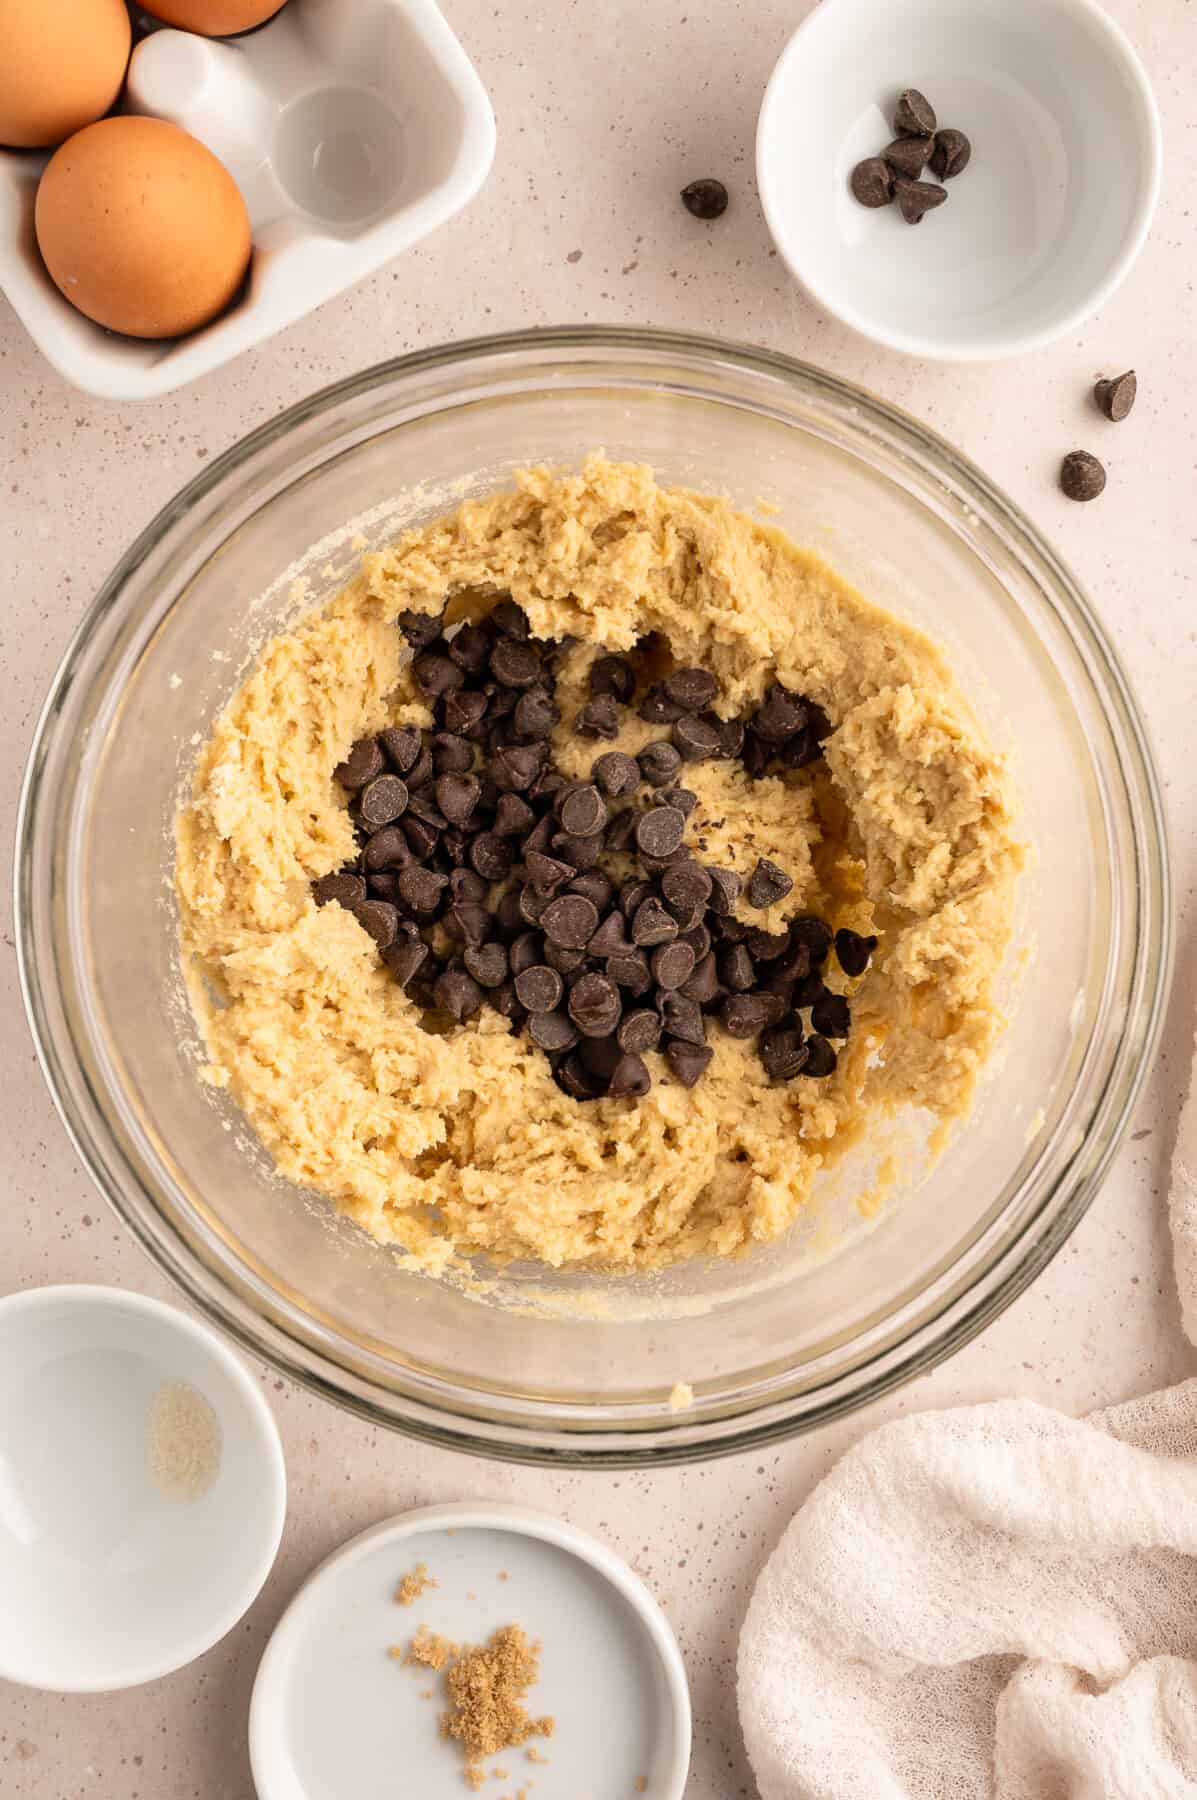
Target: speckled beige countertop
(593, 147)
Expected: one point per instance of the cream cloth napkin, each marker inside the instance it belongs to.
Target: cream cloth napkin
(992, 1603)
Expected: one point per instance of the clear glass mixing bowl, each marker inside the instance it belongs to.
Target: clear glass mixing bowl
(567, 1367)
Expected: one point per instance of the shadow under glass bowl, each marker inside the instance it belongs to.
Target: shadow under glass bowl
(568, 1367)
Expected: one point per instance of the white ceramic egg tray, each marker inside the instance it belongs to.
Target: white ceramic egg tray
(353, 129)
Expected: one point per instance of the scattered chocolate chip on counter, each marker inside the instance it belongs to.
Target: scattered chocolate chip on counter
(706, 198)
(1116, 397)
(1082, 477)
(486, 877)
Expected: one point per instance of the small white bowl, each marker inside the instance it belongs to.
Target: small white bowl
(1039, 228)
(129, 1544)
(333, 1714)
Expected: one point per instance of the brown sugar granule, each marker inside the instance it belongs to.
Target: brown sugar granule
(429, 1649)
(487, 1685)
(641, 1784)
(534, 1755)
(414, 1584)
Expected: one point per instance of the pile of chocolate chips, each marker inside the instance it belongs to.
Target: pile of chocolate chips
(576, 908)
(895, 173)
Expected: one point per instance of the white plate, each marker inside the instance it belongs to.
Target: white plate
(1039, 228)
(333, 1715)
(353, 129)
(108, 1579)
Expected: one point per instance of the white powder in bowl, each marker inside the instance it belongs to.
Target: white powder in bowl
(184, 1442)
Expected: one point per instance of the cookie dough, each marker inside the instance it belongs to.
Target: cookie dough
(451, 1146)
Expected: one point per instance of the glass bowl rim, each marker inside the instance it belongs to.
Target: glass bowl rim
(963, 1313)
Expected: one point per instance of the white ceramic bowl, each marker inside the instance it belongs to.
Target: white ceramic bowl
(125, 1552)
(1040, 227)
(334, 1715)
(353, 129)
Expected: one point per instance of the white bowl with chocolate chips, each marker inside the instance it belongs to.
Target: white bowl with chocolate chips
(959, 179)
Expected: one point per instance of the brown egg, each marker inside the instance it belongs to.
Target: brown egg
(62, 63)
(142, 228)
(215, 18)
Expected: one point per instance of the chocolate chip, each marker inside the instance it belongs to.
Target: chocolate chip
(384, 885)
(468, 922)
(470, 648)
(614, 774)
(547, 873)
(774, 1007)
(580, 852)
(704, 984)
(853, 951)
(809, 929)
(579, 1082)
(736, 967)
(640, 1030)
(610, 938)
(513, 816)
(436, 674)
(452, 755)
(660, 830)
(821, 1059)
(672, 965)
(872, 182)
(457, 796)
(696, 739)
(917, 197)
(509, 920)
(705, 198)
(1082, 477)
(783, 1052)
(726, 887)
(688, 1063)
(595, 1005)
(535, 713)
(458, 993)
(491, 856)
(583, 811)
(686, 886)
(1116, 396)
(402, 746)
(682, 1018)
(539, 989)
(951, 154)
(657, 708)
(909, 155)
(831, 1015)
(652, 925)
(510, 619)
(532, 904)
(767, 946)
(525, 952)
(423, 891)
(405, 958)
(571, 921)
(598, 719)
(756, 755)
(565, 960)
(379, 918)
(659, 763)
(383, 800)
(346, 889)
(630, 1078)
(691, 689)
(514, 664)
(807, 990)
(422, 837)
(363, 763)
(730, 931)
(613, 677)
(421, 771)
(422, 805)
(630, 971)
(465, 885)
(730, 733)
(419, 628)
(744, 1015)
(779, 715)
(768, 884)
(462, 709)
(679, 798)
(621, 832)
(914, 114)
(515, 767)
